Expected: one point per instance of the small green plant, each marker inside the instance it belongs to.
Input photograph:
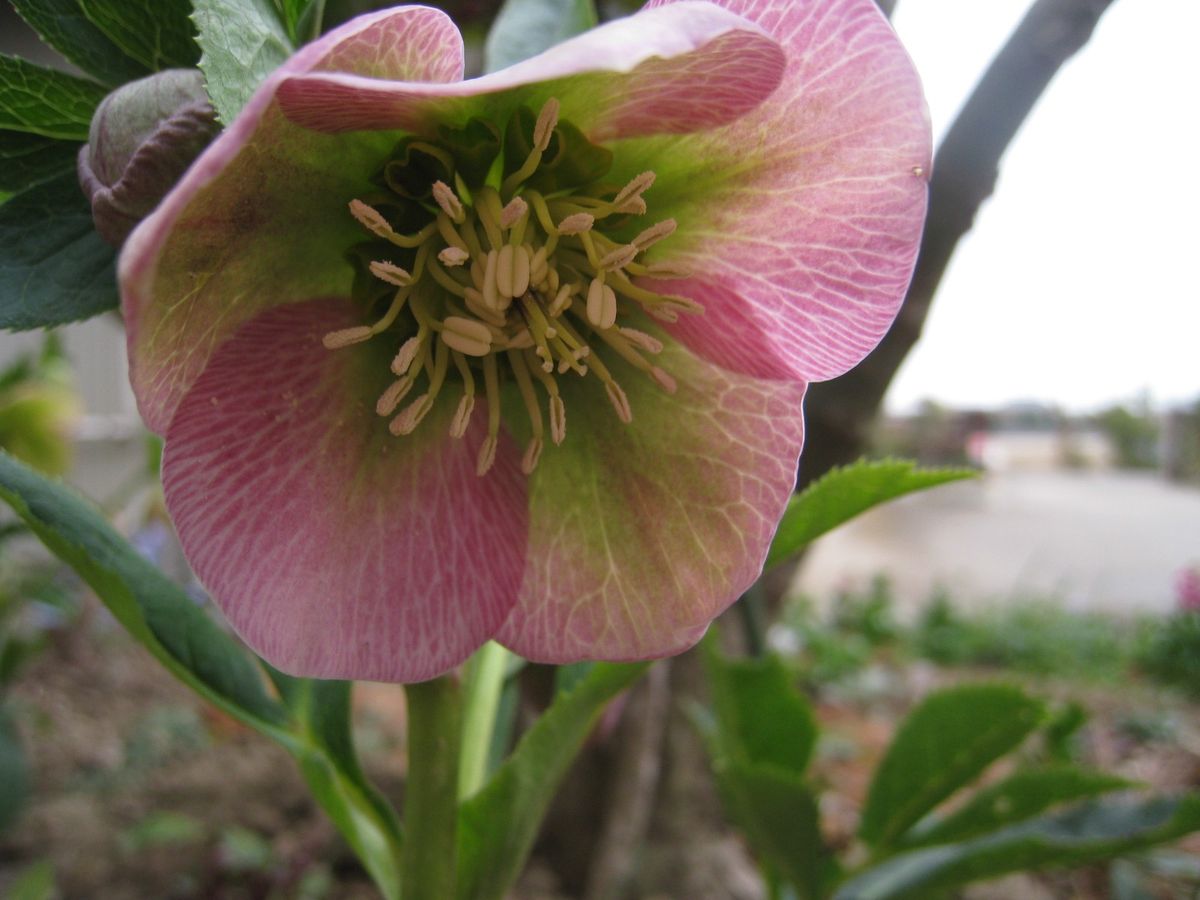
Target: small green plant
(1172, 654)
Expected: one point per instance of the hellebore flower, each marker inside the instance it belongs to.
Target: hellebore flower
(520, 357)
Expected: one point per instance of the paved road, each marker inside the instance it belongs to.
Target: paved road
(1094, 541)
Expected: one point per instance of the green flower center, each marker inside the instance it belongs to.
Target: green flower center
(510, 275)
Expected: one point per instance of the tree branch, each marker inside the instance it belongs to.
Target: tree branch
(965, 169)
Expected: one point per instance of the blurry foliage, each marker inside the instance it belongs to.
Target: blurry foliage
(1134, 435)
(39, 408)
(1172, 654)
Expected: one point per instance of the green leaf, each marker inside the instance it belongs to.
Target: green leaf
(843, 493)
(496, 827)
(1016, 798)
(156, 33)
(761, 717)
(36, 882)
(45, 101)
(1093, 831)
(243, 42)
(943, 744)
(524, 28)
(152, 608)
(14, 771)
(54, 268)
(62, 25)
(302, 19)
(777, 814)
(27, 159)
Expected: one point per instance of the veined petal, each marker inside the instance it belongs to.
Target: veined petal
(210, 257)
(801, 221)
(682, 68)
(641, 534)
(335, 549)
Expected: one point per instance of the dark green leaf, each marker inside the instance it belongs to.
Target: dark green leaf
(777, 814)
(14, 771)
(524, 28)
(243, 42)
(845, 492)
(761, 716)
(26, 159)
(1020, 796)
(154, 609)
(497, 826)
(54, 268)
(1084, 834)
(303, 19)
(157, 33)
(45, 101)
(943, 744)
(62, 25)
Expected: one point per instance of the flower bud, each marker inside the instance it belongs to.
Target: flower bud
(143, 137)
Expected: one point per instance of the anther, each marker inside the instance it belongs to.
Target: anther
(641, 340)
(618, 257)
(601, 304)
(462, 416)
(520, 271)
(504, 271)
(533, 452)
(390, 398)
(491, 296)
(390, 273)
(561, 301)
(407, 355)
(346, 336)
(619, 401)
(639, 185)
(371, 219)
(654, 234)
(634, 206)
(466, 336)
(487, 455)
(410, 417)
(546, 120)
(445, 197)
(513, 212)
(558, 419)
(664, 379)
(453, 256)
(576, 223)
(538, 267)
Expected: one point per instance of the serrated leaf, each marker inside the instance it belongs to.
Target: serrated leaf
(150, 606)
(54, 268)
(1088, 833)
(243, 42)
(62, 25)
(1016, 798)
(843, 493)
(26, 159)
(942, 745)
(777, 814)
(44, 101)
(524, 28)
(156, 33)
(496, 826)
(761, 717)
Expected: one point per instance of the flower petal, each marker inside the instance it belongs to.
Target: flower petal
(211, 257)
(682, 68)
(335, 549)
(641, 534)
(801, 221)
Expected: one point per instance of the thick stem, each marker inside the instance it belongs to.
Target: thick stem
(428, 861)
(483, 685)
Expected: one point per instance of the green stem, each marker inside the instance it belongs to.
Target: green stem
(427, 863)
(483, 684)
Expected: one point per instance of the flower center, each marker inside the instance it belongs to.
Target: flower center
(512, 276)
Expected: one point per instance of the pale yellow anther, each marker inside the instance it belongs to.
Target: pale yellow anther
(445, 197)
(513, 212)
(533, 452)
(467, 336)
(453, 256)
(619, 401)
(391, 273)
(371, 219)
(665, 379)
(410, 417)
(576, 223)
(504, 270)
(667, 270)
(618, 257)
(634, 206)
(558, 419)
(546, 121)
(641, 340)
(639, 185)
(538, 267)
(491, 296)
(476, 305)
(406, 356)
(520, 270)
(561, 301)
(346, 336)
(462, 416)
(601, 304)
(390, 398)
(487, 455)
(654, 234)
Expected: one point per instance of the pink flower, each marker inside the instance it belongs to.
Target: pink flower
(621, 355)
(1187, 589)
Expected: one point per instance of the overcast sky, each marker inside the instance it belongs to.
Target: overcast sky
(1078, 284)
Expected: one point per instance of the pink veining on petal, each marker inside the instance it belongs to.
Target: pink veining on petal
(682, 68)
(335, 549)
(641, 535)
(169, 343)
(811, 231)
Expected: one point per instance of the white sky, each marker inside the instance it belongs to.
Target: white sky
(1078, 284)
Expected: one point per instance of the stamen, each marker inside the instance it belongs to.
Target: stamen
(561, 301)
(445, 197)
(601, 304)
(522, 340)
(504, 271)
(538, 268)
(546, 121)
(634, 206)
(491, 294)
(462, 416)
(453, 256)
(390, 398)
(520, 271)
(371, 219)
(410, 417)
(533, 451)
(491, 385)
(475, 304)
(450, 234)
(576, 223)
(335, 340)
(445, 279)
(665, 379)
(487, 208)
(619, 401)
(513, 212)
(467, 336)
(654, 234)
(407, 354)
(558, 419)
(391, 273)
(619, 257)
(641, 340)
(638, 186)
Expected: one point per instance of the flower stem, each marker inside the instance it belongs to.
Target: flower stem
(428, 863)
(482, 685)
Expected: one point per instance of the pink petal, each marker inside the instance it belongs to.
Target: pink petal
(335, 549)
(260, 218)
(801, 221)
(682, 68)
(641, 534)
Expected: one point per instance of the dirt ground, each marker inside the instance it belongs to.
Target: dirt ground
(141, 791)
